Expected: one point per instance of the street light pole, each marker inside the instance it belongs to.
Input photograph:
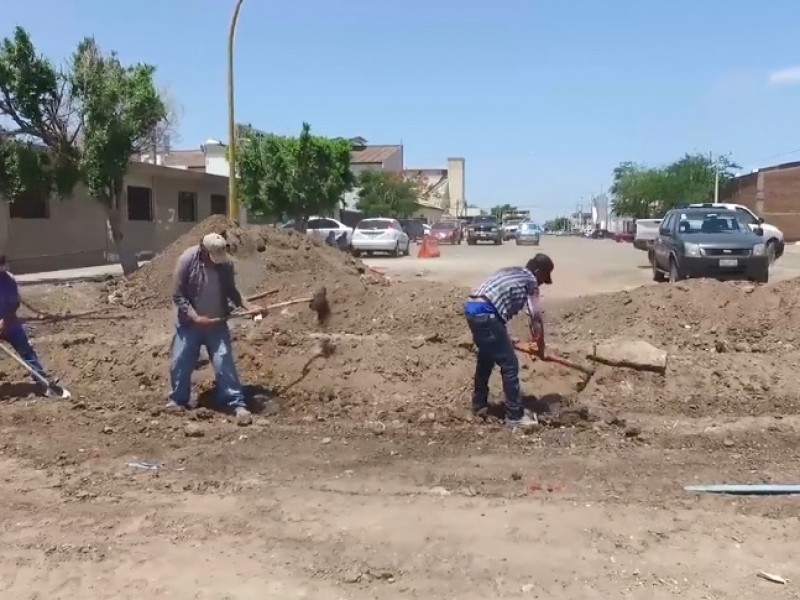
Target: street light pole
(233, 200)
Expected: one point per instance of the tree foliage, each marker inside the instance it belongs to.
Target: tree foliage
(78, 123)
(558, 224)
(296, 177)
(642, 192)
(383, 194)
(502, 209)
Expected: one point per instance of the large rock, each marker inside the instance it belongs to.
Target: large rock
(634, 354)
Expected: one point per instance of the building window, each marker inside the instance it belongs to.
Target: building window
(187, 206)
(219, 204)
(140, 203)
(29, 205)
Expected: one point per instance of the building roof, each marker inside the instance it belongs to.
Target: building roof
(189, 159)
(370, 155)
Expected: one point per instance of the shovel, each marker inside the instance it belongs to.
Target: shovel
(530, 350)
(51, 388)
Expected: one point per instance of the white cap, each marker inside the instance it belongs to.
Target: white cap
(217, 247)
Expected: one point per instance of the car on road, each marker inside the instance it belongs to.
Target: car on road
(484, 229)
(321, 227)
(510, 229)
(646, 233)
(528, 233)
(380, 235)
(773, 237)
(447, 232)
(708, 242)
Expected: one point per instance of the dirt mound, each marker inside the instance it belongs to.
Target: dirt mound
(701, 314)
(265, 258)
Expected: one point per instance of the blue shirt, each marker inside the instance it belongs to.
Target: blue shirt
(9, 300)
(509, 291)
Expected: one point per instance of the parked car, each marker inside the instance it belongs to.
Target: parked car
(414, 228)
(322, 226)
(447, 232)
(484, 229)
(528, 233)
(380, 235)
(708, 242)
(773, 237)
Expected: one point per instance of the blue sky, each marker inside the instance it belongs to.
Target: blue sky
(543, 99)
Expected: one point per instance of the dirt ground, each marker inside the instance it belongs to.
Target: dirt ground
(363, 474)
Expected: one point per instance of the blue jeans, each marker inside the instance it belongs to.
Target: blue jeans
(186, 344)
(494, 348)
(18, 340)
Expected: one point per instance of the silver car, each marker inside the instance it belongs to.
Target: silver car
(528, 233)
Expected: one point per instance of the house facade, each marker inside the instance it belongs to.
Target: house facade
(159, 204)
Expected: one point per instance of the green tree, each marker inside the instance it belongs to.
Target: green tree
(502, 209)
(384, 194)
(558, 224)
(296, 177)
(78, 123)
(643, 192)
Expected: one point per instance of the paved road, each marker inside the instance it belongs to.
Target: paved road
(583, 266)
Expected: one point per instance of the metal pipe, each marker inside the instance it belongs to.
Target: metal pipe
(233, 199)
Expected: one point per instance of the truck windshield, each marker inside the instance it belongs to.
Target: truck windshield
(708, 223)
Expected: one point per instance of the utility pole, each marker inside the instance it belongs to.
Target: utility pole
(233, 200)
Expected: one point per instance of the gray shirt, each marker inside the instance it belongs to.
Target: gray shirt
(209, 296)
(192, 282)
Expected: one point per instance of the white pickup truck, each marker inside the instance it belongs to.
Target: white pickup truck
(646, 233)
(647, 229)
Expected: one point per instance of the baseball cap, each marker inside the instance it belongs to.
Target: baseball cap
(217, 247)
(542, 266)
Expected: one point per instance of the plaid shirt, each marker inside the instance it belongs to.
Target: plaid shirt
(510, 290)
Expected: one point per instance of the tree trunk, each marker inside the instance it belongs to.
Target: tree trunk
(125, 255)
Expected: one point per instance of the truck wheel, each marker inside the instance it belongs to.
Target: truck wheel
(675, 274)
(772, 252)
(657, 274)
(762, 277)
(498, 242)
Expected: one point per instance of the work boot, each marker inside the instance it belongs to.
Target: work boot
(526, 420)
(243, 416)
(481, 413)
(174, 408)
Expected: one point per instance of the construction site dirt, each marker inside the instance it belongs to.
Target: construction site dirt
(364, 474)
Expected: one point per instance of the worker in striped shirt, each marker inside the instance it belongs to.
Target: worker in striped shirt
(488, 310)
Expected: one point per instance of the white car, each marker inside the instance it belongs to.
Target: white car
(773, 237)
(322, 226)
(380, 235)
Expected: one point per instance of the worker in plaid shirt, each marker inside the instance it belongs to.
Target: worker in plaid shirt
(488, 310)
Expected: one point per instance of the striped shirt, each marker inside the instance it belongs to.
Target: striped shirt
(509, 291)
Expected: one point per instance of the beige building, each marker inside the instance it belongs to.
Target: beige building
(442, 189)
(159, 204)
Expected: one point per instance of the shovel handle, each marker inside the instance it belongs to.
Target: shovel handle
(289, 303)
(261, 295)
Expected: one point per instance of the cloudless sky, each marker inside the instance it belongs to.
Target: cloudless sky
(543, 99)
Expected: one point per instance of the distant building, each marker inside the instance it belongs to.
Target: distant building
(442, 190)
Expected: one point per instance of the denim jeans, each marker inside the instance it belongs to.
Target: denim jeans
(18, 340)
(186, 344)
(494, 348)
